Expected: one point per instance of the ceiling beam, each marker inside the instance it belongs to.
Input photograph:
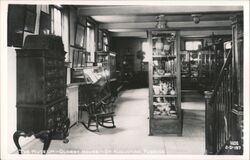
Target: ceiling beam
(193, 33)
(151, 9)
(129, 34)
(151, 18)
(179, 25)
(183, 29)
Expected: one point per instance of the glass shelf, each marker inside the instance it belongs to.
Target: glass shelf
(165, 116)
(165, 95)
(165, 56)
(162, 76)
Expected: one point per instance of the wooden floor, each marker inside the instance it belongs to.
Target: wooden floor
(131, 134)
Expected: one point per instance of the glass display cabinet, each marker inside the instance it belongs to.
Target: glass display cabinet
(164, 83)
(189, 69)
(108, 61)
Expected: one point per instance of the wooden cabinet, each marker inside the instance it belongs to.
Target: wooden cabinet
(41, 89)
(164, 83)
(127, 67)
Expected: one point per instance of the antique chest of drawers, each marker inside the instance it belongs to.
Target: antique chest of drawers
(41, 88)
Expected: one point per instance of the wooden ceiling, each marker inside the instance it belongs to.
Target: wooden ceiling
(134, 20)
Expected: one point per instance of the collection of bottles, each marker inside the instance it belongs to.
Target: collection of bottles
(164, 68)
(163, 46)
(164, 107)
(163, 82)
(164, 88)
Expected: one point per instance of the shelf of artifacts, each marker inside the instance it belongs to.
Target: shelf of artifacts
(164, 83)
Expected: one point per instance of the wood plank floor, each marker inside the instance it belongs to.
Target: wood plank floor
(131, 134)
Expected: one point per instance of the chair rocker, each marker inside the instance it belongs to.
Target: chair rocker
(101, 113)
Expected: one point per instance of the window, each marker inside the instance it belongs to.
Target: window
(90, 41)
(145, 48)
(59, 26)
(56, 21)
(192, 45)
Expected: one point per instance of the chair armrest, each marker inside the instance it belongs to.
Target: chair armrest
(86, 107)
(104, 103)
(82, 107)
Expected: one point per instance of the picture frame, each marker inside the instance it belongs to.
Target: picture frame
(31, 8)
(80, 58)
(16, 17)
(84, 61)
(45, 23)
(75, 58)
(100, 40)
(30, 21)
(80, 35)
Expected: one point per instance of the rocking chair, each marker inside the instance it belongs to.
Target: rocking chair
(100, 113)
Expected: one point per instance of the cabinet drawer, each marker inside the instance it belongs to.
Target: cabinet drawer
(55, 72)
(57, 107)
(62, 72)
(54, 82)
(50, 122)
(51, 72)
(50, 62)
(54, 93)
(54, 62)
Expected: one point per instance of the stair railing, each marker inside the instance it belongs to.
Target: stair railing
(218, 109)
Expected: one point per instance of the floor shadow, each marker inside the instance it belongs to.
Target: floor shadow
(108, 131)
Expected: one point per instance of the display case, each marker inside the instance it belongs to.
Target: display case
(108, 61)
(127, 67)
(189, 69)
(164, 83)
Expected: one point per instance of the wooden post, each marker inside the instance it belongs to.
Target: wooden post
(237, 50)
(209, 124)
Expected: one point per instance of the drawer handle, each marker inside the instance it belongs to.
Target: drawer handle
(50, 122)
(52, 109)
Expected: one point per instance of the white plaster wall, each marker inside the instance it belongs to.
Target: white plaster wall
(72, 94)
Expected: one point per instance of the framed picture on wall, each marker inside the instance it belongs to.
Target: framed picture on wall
(16, 17)
(30, 20)
(100, 40)
(80, 58)
(31, 8)
(45, 23)
(83, 59)
(75, 58)
(80, 35)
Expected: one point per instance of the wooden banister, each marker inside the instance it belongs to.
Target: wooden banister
(218, 109)
(222, 74)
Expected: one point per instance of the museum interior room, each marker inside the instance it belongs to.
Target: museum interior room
(125, 79)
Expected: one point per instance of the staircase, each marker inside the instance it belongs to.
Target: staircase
(191, 96)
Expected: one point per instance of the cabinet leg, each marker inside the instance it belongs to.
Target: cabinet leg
(46, 143)
(16, 137)
(66, 140)
(45, 136)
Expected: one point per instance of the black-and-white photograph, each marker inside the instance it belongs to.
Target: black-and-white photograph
(154, 79)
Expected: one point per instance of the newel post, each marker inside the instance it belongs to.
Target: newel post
(209, 124)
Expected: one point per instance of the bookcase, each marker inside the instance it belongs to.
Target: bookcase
(164, 83)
